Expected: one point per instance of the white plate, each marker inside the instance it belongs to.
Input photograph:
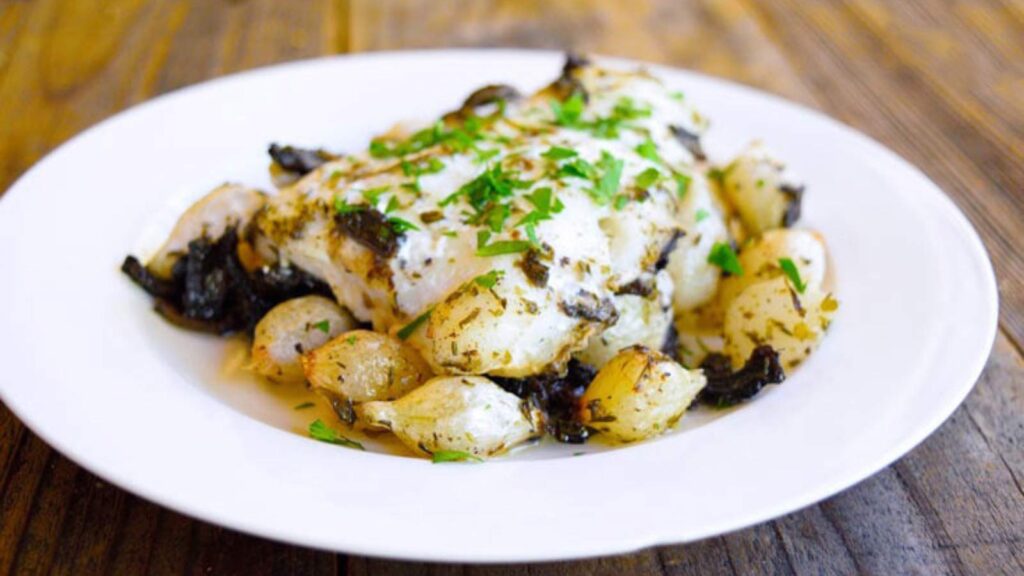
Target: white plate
(93, 371)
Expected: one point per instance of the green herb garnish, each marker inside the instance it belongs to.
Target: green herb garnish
(626, 109)
(341, 206)
(411, 327)
(577, 168)
(608, 184)
(544, 204)
(682, 185)
(430, 166)
(442, 456)
(649, 150)
(503, 247)
(324, 433)
(304, 406)
(373, 194)
(701, 215)
(399, 225)
(323, 326)
(559, 153)
(790, 270)
(723, 256)
(568, 113)
(490, 279)
(647, 178)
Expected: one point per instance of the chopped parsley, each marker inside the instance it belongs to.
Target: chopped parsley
(647, 178)
(324, 433)
(577, 168)
(559, 153)
(649, 150)
(568, 113)
(459, 138)
(544, 204)
(411, 327)
(626, 109)
(503, 247)
(373, 194)
(485, 155)
(723, 256)
(490, 279)
(399, 225)
(392, 205)
(442, 456)
(790, 270)
(430, 166)
(701, 215)
(304, 406)
(490, 186)
(341, 206)
(325, 325)
(620, 201)
(607, 185)
(682, 185)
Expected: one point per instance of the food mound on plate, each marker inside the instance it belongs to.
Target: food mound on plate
(569, 263)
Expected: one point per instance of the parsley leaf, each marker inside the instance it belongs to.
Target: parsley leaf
(620, 201)
(682, 185)
(493, 184)
(626, 109)
(304, 406)
(323, 326)
(373, 194)
(411, 327)
(723, 256)
(647, 178)
(790, 270)
(430, 166)
(568, 113)
(503, 247)
(701, 215)
(324, 433)
(490, 279)
(578, 168)
(341, 206)
(559, 153)
(442, 456)
(460, 138)
(649, 150)
(608, 184)
(399, 225)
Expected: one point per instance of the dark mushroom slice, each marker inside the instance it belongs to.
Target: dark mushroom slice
(726, 387)
(299, 161)
(568, 83)
(558, 397)
(667, 249)
(371, 228)
(690, 141)
(210, 291)
(795, 195)
(490, 94)
(589, 306)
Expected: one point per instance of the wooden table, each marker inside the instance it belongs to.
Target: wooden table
(941, 82)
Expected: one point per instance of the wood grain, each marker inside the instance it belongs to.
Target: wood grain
(939, 82)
